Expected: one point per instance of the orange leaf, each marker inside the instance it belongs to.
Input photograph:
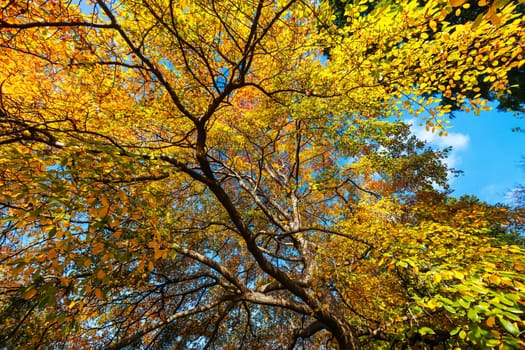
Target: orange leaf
(101, 274)
(456, 3)
(97, 248)
(99, 294)
(122, 196)
(30, 294)
(118, 233)
(87, 262)
(104, 205)
(52, 254)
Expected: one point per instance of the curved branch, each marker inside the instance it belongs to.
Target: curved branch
(307, 332)
(270, 300)
(136, 50)
(133, 338)
(212, 264)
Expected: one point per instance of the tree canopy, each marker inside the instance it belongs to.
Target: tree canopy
(511, 99)
(199, 175)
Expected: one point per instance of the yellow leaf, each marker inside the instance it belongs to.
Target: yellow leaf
(433, 25)
(515, 249)
(494, 279)
(491, 321)
(520, 286)
(459, 275)
(431, 304)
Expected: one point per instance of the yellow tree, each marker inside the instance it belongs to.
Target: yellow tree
(196, 174)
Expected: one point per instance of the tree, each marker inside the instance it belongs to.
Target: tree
(194, 174)
(511, 99)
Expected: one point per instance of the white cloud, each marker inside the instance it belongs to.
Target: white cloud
(459, 142)
(453, 139)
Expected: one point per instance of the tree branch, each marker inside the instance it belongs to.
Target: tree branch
(4, 24)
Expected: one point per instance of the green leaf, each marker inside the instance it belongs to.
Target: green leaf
(425, 330)
(493, 342)
(52, 232)
(464, 303)
(510, 315)
(506, 301)
(402, 264)
(473, 315)
(455, 330)
(449, 309)
(509, 326)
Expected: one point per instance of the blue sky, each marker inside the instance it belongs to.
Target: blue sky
(486, 149)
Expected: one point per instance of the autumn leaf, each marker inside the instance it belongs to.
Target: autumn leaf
(99, 294)
(456, 3)
(217, 167)
(491, 321)
(98, 248)
(101, 274)
(31, 293)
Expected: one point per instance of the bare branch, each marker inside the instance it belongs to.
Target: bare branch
(136, 50)
(133, 338)
(7, 25)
